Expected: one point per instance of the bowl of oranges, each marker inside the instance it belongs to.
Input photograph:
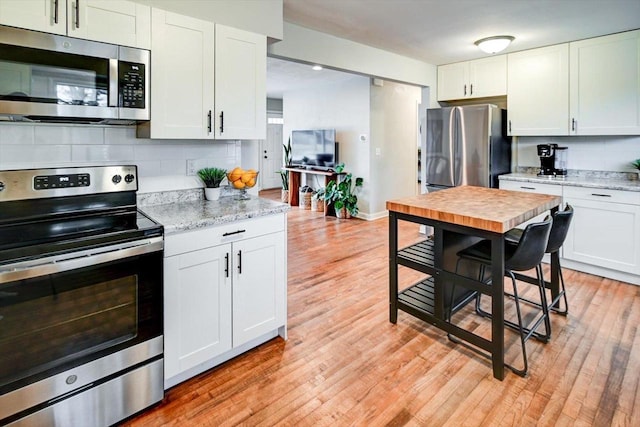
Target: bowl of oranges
(242, 179)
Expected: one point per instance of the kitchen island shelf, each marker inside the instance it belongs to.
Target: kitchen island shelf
(419, 297)
(419, 256)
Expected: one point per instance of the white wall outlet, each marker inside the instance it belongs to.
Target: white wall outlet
(192, 168)
(378, 151)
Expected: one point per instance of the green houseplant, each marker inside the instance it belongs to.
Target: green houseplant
(212, 177)
(343, 193)
(284, 174)
(636, 165)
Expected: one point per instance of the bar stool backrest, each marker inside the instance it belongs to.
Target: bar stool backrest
(560, 228)
(531, 247)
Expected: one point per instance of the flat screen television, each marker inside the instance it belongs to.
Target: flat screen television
(314, 149)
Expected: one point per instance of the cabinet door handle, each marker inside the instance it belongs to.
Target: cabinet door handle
(77, 13)
(226, 264)
(465, 90)
(528, 188)
(509, 126)
(209, 122)
(55, 11)
(471, 92)
(573, 124)
(231, 233)
(601, 195)
(239, 262)
(221, 122)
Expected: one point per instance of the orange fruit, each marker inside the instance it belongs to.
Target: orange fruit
(235, 174)
(251, 182)
(238, 184)
(246, 177)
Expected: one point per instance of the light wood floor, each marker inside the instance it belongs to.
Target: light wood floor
(344, 364)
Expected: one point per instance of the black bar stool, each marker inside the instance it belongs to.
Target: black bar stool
(524, 255)
(559, 230)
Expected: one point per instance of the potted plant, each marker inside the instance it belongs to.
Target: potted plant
(284, 174)
(636, 165)
(212, 177)
(317, 200)
(342, 194)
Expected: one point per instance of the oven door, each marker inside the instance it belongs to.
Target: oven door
(70, 314)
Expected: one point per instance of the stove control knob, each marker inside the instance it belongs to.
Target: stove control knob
(116, 179)
(1, 185)
(129, 178)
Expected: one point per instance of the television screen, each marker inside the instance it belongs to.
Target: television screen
(314, 148)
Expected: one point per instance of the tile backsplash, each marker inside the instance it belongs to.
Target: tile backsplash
(595, 153)
(162, 163)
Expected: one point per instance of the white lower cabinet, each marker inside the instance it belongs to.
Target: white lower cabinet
(605, 230)
(225, 287)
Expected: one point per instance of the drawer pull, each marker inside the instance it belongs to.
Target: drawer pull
(239, 262)
(601, 195)
(528, 188)
(231, 233)
(226, 264)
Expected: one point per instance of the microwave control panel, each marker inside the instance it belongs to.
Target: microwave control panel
(131, 84)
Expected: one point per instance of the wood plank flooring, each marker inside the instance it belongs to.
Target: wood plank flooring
(344, 364)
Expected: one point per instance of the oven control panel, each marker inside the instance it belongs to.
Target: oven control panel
(48, 182)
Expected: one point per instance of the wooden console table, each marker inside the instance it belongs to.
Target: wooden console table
(294, 184)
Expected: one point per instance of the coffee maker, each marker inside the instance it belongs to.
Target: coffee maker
(553, 160)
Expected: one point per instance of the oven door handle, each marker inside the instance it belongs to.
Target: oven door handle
(42, 267)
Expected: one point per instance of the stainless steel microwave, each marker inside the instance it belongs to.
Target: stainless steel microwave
(55, 78)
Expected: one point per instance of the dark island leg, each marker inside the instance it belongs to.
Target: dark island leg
(393, 267)
(497, 306)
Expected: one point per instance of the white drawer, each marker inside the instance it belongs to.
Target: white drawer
(201, 238)
(602, 195)
(531, 187)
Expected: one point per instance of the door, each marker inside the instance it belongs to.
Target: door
(271, 152)
(259, 286)
(197, 308)
(48, 16)
(439, 166)
(472, 146)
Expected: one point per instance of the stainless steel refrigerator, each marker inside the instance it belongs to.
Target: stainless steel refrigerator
(465, 145)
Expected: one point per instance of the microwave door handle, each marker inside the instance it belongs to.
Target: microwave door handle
(113, 83)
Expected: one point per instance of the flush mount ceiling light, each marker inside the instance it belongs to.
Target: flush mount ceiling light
(494, 44)
(317, 67)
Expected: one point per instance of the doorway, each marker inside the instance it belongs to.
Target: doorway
(271, 151)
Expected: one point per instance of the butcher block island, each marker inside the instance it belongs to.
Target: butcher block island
(225, 280)
(460, 217)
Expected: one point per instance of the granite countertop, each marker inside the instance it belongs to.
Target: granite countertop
(475, 207)
(588, 180)
(191, 215)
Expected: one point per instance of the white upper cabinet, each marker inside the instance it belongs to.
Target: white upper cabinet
(110, 21)
(208, 81)
(605, 85)
(473, 79)
(49, 16)
(182, 75)
(240, 84)
(538, 91)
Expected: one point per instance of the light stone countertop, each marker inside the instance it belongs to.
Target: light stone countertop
(589, 181)
(191, 215)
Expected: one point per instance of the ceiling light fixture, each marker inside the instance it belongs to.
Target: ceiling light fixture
(494, 44)
(316, 67)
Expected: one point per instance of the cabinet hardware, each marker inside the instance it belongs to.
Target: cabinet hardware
(77, 13)
(55, 11)
(239, 262)
(471, 93)
(226, 264)
(230, 233)
(209, 122)
(221, 122)
(509, 126)
(601, 195)
(573, 124)
(265, 157)
(465, 90)
(528, 188)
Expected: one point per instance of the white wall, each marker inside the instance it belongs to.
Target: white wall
(394, 144)
(162, 164)
(343, 107)
(601, 153)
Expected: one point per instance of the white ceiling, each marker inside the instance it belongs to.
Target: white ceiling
(443, 31)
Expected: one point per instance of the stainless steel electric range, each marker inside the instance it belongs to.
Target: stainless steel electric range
(80, 298)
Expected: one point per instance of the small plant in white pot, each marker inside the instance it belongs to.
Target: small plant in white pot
(636, 165)
(212, 177)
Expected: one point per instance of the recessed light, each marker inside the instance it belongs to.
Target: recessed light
(317, 67)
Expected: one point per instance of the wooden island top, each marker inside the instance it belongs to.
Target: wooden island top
(482, 208)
